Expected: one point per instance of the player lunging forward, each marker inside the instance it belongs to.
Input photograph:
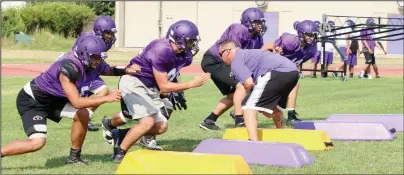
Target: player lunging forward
(160, 59)
(54, 94)
(267, 77)
(298, 49)
(104, 27)
(247, 35)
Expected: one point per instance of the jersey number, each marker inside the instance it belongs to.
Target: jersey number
(297, 61)
(172, 74)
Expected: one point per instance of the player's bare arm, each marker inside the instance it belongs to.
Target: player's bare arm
(78, 102)
(167, 86)
(119, 71)
(367, 46)
(380, 45)
(348, 44)
(249, 84)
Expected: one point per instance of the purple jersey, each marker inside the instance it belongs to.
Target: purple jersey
(240, 35)
(292, 49)
(100, 70)
(371, 43)
(256, 42)
(159, 55)
(256, 62)
(49, 81)
(109, 45)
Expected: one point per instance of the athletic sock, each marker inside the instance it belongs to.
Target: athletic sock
(212, 117)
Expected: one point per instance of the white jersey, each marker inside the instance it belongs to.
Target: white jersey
(328, 46)
(342, 43)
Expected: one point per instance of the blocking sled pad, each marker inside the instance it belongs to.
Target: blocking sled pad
(360, 131)
(262, 153)
(389, 120)
(172, 162)
(311, 140)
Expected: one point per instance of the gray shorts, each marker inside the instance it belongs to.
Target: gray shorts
(141, 101)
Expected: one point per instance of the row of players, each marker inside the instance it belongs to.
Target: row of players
(250, 75)
(350, 49)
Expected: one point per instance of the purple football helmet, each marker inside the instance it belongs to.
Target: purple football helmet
(88, 46)
(295, 24)
(307, 28)
(185, 35)
(317, 23)
(349, 22)
(103, 25)
(370, 21)
(251, 17)
(331, 24)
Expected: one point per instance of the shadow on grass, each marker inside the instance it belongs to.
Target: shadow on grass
(182, 145)
(22, 168)
(90, 158)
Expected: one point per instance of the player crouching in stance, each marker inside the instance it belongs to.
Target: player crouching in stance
(297, 49)
(104, 27)
(160, 60)
(54, 94)
(267, 77)
(247, 35)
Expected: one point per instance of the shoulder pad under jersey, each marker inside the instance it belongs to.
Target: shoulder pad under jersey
(70, 70)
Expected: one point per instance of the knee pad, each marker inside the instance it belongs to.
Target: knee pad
(37, 135)
(36, 131)
(124, 116)
(162, 115)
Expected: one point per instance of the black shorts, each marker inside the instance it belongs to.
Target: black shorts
(35, 112)
(369, 58)
(220, 73)
(271, 90)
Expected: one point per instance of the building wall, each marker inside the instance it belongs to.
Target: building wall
(213, 17)
(9, 4)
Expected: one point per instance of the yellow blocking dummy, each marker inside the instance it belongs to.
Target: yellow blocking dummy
(311, 140)
(169, 162)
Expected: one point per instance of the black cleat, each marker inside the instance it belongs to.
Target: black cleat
(292, 118)
(239, 125)
(75, 158)
(106, 131)
(92, 127)
(239, 122)
(208, 125)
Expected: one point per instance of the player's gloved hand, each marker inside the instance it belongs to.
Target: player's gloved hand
(177, 99)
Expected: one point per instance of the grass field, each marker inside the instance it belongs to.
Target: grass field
(317, 99)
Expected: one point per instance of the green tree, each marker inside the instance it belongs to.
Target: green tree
(104, 8)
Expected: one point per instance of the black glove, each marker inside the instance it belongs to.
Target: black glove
(177, 99)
